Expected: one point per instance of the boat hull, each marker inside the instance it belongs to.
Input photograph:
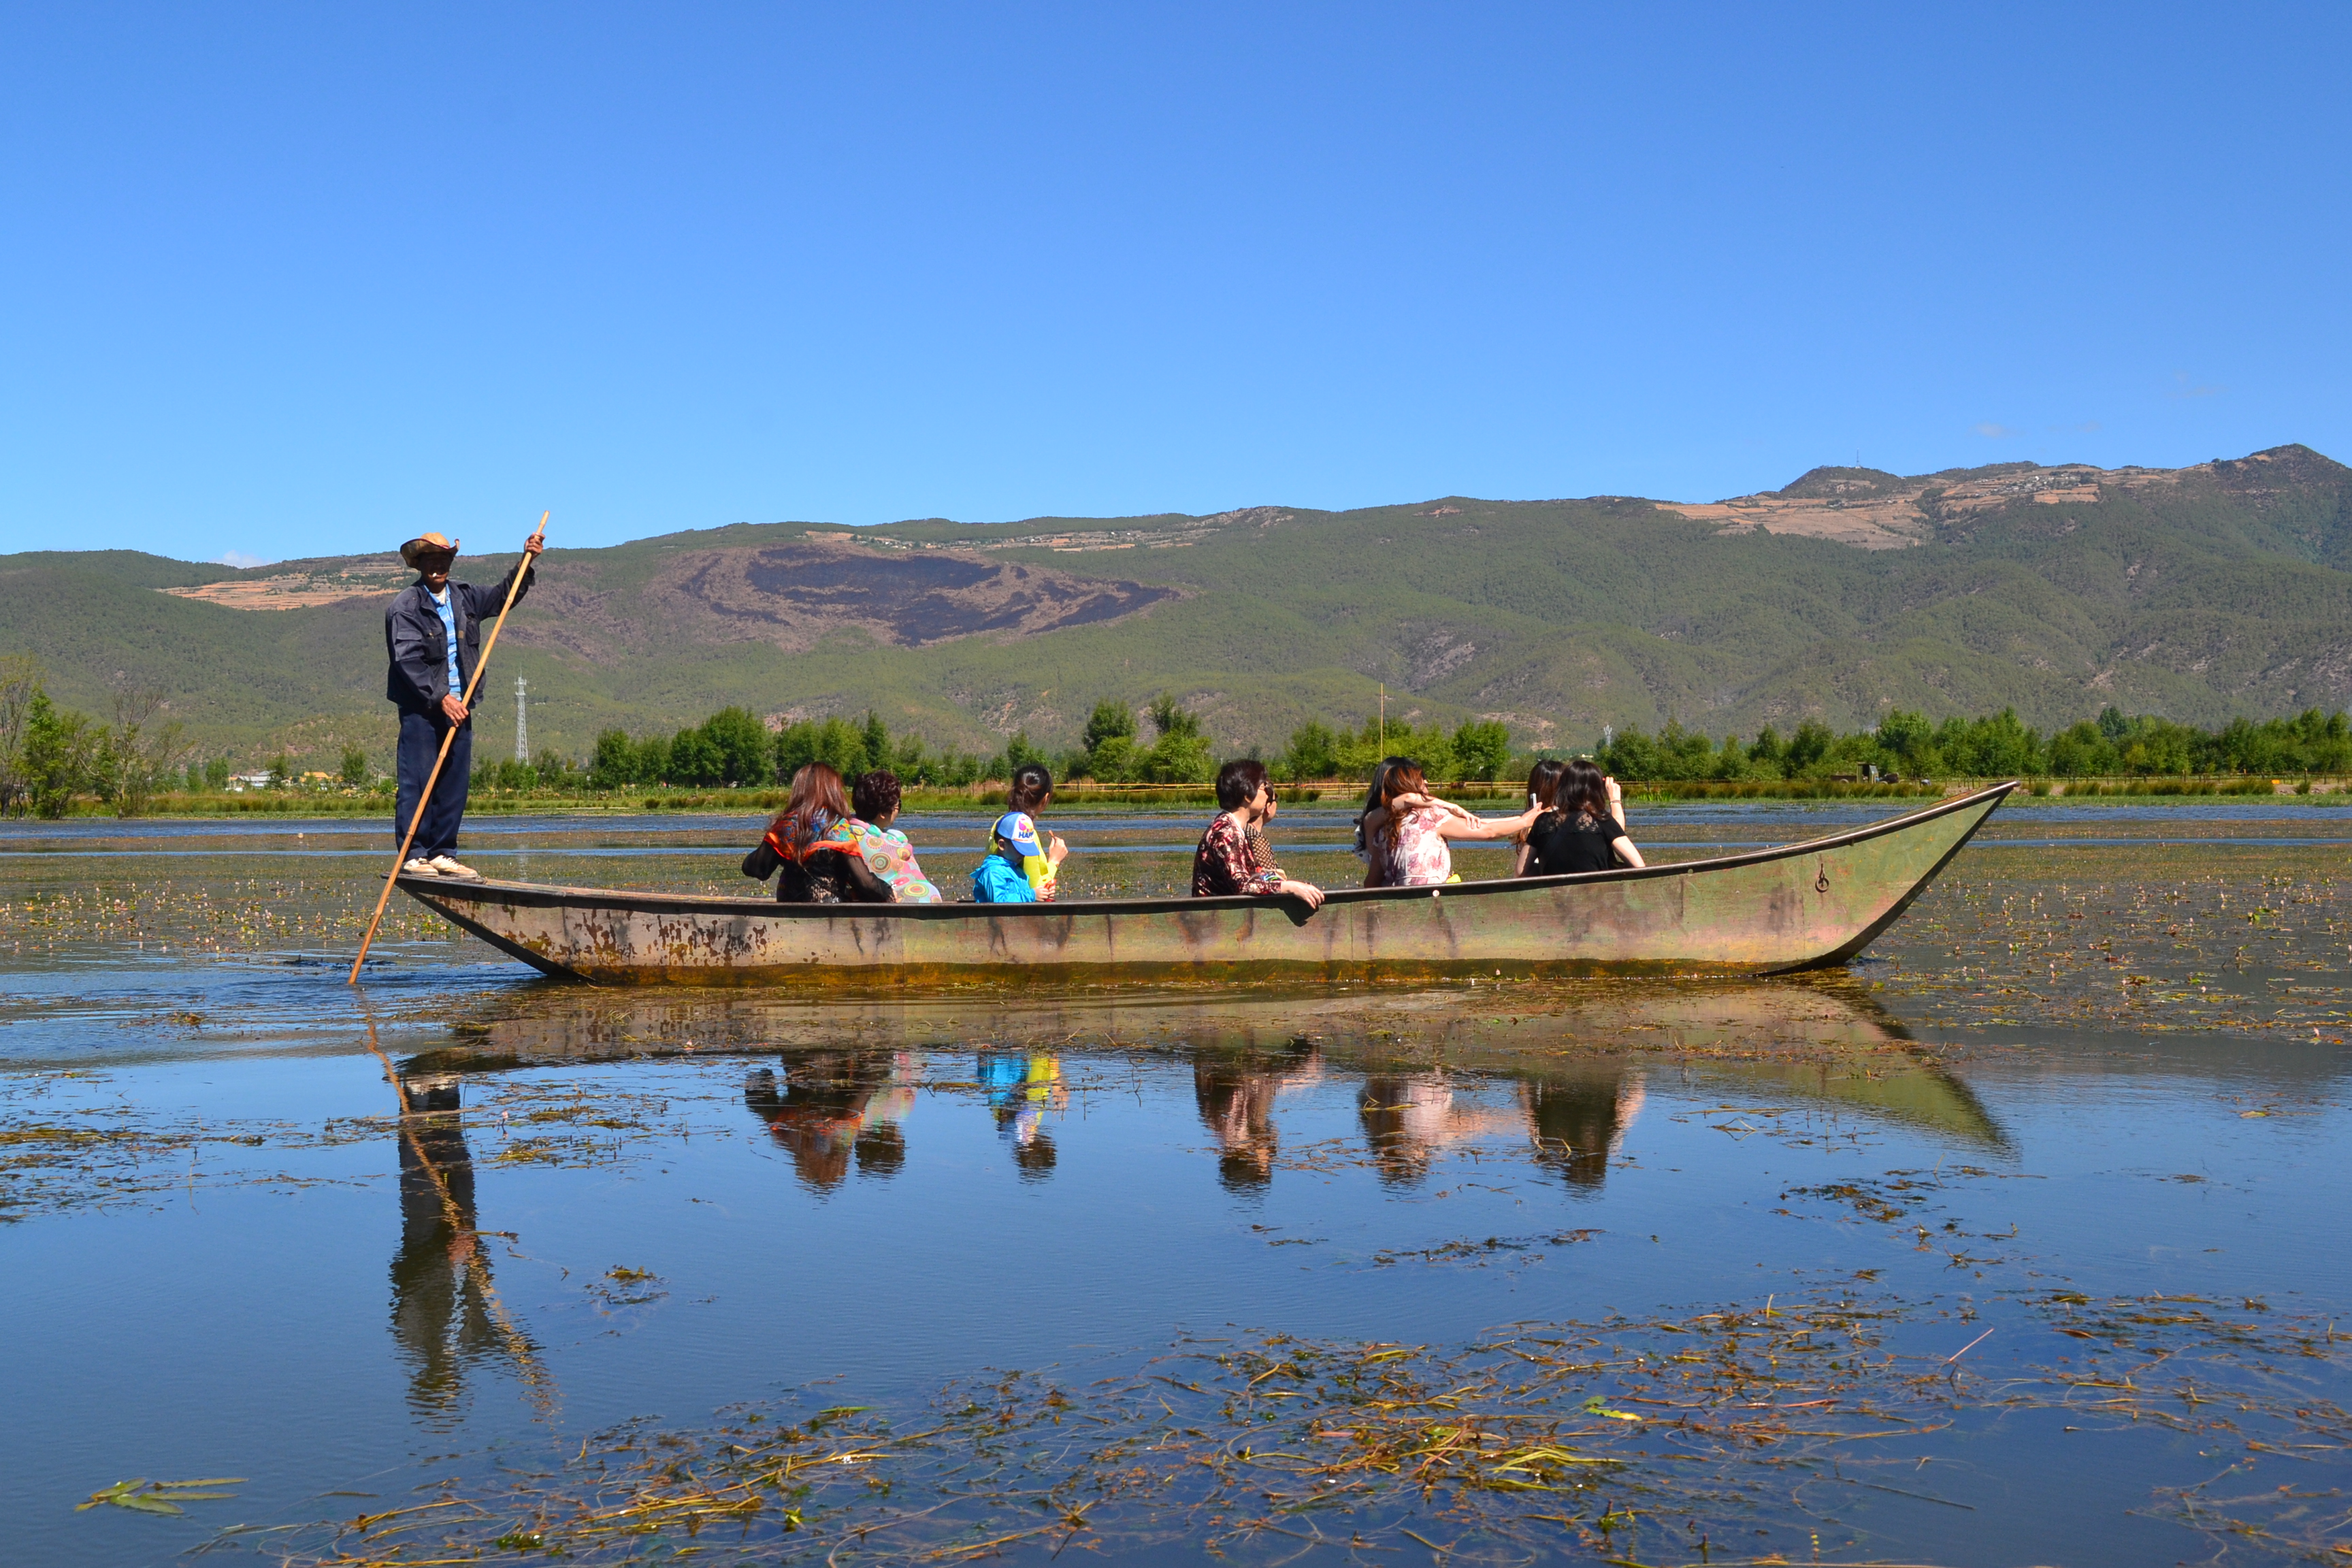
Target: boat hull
(1800, 907)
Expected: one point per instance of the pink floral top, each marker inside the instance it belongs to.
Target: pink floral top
(1418, 858)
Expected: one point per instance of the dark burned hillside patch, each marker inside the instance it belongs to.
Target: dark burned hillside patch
(793, 594)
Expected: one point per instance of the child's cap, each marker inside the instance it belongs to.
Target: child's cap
(1015, 828)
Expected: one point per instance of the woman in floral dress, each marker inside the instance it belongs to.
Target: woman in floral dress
(1224, 865)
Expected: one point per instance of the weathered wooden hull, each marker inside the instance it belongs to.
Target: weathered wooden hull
(1767, 911)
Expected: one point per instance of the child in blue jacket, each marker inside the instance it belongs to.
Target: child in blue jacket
(1020, 870)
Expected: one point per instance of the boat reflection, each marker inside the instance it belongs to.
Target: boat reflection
(1389, 1082)
(1570, 1062)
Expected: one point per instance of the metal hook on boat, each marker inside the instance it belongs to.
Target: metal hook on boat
(1822, 882)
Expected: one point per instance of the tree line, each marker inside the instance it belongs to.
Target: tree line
(51, 755)
(1906, 744)
(734, 748)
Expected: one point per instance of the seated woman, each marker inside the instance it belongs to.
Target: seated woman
(1406, 836)
(1233, 857)
(1373, 811)
(1020, 868)
(810, 844)
(874, 801)
(1543, 781)
(1584, 830)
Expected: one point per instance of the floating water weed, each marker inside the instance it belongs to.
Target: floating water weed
(143, 1496)
(1540, 1439)
(59, 1152)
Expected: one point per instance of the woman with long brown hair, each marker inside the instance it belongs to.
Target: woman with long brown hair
(811, 842)
(1405, 837)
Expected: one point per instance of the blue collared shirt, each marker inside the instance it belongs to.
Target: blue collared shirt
(445, 603)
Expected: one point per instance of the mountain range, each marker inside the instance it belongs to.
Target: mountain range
(2199, 593)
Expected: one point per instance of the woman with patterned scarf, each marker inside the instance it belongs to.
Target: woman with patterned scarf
(811, 843)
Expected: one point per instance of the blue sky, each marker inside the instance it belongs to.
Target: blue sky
(298, 279)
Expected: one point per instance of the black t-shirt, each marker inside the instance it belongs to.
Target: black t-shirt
(1557, 845)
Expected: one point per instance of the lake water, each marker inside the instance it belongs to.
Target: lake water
(2022, 1240)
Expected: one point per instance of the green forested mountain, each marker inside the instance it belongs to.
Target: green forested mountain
(2197, 594)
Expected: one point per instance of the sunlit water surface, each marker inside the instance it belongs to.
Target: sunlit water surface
(2022, 1240)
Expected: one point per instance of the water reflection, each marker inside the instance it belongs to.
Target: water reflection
(1236, 1095)
(439, 1317)
(1579, 1118)
(1574, 1055)
(446, 1311)
(1021, 1089)
(1408, 1118)
(834, 1107)
(1391, 1084)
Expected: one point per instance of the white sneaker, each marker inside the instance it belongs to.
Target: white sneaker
(420, 869)
(443, 866)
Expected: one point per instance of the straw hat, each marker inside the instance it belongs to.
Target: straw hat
(427, 544)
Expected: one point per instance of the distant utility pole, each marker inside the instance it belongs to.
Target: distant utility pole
(522, 720)
(1384, 719)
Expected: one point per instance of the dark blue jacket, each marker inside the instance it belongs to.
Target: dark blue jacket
(414, 641)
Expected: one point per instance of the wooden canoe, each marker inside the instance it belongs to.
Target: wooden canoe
(1766, 912)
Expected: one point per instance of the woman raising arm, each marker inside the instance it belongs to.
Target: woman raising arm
(1406, 835)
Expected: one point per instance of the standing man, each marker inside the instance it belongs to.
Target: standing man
(433, 633)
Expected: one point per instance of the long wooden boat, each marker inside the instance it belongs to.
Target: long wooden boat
(1767, 911)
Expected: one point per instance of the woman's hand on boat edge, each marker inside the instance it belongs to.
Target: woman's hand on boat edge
(1306, 893)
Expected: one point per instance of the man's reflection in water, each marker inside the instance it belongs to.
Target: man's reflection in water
(1236, 1095)
(1021, 1090)
(836, 1106)
(439, 1318)
(1579, 1118)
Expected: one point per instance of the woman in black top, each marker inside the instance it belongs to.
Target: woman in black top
(1543, 783)
(1585, 828)
(808, 843)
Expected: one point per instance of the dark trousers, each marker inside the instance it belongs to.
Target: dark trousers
(420, 742)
